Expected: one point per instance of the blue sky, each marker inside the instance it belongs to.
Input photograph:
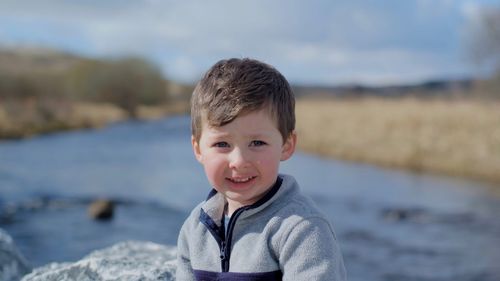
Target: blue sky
(311, 42)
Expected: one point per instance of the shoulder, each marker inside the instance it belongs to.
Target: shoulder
(297, 209)
(297, 206)
(300, 217)
(193, 219)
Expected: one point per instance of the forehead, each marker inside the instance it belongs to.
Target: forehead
(260, 122)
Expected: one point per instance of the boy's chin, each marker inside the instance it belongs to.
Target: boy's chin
(239, 201)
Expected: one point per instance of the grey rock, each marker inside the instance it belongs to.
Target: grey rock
(12, 264)
(127, 261)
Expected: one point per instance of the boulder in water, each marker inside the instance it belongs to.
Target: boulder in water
(12, 264)
(101, 209)
(130, 261)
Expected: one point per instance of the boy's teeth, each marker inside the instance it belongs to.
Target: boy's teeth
(242, 180)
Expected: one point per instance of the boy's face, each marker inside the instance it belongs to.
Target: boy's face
(241, 159)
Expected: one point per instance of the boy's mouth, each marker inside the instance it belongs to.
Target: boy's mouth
(241, 180)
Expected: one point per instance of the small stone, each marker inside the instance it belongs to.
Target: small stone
(101, 209)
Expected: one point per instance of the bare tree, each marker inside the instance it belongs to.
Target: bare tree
(484, 37)
(484, 47)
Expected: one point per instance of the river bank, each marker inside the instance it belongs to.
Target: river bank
(26, 118)
(456, 137)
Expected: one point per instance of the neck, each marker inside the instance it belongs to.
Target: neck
(231, 207)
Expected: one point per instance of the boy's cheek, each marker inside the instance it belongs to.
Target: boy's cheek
(213, 165)
(268, 164)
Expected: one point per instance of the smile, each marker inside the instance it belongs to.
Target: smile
(241, 180)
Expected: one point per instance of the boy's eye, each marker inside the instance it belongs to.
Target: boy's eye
(257, 143)
(221, 144)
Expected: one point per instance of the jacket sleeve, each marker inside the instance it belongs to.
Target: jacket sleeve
(184, 269)
(310, 252)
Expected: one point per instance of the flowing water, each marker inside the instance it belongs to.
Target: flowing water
(391, 224)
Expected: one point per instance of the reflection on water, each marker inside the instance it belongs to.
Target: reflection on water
(392, 225)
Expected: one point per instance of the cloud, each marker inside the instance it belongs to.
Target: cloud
(321, 41)
(184, 66)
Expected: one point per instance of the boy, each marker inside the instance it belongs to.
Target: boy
(255, 223)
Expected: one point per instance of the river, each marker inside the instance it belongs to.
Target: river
(391, 224)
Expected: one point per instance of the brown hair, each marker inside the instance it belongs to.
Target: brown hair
(234, 87)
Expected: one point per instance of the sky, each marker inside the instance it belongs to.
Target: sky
(315, 42)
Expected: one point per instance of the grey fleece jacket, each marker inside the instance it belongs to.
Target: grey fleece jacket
(283, 236)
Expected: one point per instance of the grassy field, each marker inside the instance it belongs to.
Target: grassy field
(453, 137)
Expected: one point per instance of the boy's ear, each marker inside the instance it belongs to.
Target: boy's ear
(196, 149)
(289, 146)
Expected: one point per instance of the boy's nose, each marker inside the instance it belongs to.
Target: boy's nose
(238, 159)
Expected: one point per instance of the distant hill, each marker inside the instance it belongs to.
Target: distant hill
(37, 60)
(432, 88)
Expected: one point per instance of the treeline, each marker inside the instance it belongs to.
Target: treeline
(46, 75)
(44, 90)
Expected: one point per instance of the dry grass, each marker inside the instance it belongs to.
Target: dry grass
(93, 115)
(29, 117)
(24, 118)
(159, 111)
(453, 137)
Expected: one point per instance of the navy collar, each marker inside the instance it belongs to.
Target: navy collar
(270, 193)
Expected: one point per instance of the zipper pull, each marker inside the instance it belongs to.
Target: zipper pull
(223, 251)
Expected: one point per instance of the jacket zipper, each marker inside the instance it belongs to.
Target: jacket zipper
(223, 251)
(225, 246)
